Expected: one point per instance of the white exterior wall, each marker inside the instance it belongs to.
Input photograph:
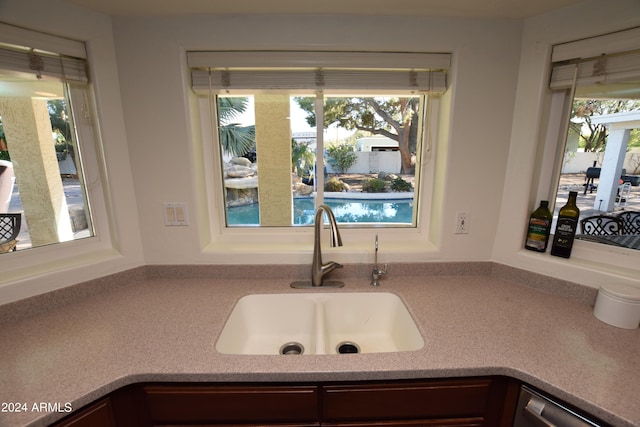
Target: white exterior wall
(373, 162)
(579, 162)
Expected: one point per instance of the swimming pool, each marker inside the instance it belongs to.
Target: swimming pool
(345, 210)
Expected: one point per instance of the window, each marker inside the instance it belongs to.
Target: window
(600, 94)
(362, 176)
(41, 167)
(291, 137)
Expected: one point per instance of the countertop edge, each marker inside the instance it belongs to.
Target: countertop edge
(321, 377)
(120, 376)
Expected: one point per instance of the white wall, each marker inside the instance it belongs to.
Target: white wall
(373, 162)
(117, 247)
(579, 162)
(590, 264)
(155, 103)
(151, 137)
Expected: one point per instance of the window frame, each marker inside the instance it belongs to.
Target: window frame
(554, 145)
(585, 254)
(321, 163)
(274, 242)
(74, 252)
(293, 244)
(56, 259)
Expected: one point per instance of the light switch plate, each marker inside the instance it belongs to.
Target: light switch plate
(176, 214)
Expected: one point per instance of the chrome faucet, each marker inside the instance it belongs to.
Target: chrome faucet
(376, 274)
(318, 269)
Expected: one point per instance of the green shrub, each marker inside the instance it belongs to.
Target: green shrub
(373, 185)
(341, 157)
(333, 184)
(399, 184)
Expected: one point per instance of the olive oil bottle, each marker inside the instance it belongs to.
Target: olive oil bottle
(539, 228)
(566, 227)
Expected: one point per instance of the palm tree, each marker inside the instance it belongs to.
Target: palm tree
(302, 157)
(235, 139)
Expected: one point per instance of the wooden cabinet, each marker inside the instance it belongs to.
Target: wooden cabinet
(477, 402)
(98, 414)
(471, 402)
(451, 402)
(223, 405)
(122, 408)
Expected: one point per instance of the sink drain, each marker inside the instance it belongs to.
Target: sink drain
(347, 347)
(292, 348)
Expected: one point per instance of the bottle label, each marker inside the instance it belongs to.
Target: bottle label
(538, 233)
(565, 232)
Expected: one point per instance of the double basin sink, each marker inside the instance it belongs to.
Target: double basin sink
(319, 323)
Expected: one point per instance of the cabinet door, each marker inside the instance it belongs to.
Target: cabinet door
(418, 423)
(450, 402)
(99, 414)
(228, 405)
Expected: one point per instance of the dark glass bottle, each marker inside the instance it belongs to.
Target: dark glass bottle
(566, 227)
(539, 228)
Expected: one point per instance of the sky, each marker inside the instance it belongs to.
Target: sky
(298, 122)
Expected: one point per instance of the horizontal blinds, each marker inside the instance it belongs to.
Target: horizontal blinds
(429, 81)
(44, 65)
(605, 69)
(342, 71)
(599, 61)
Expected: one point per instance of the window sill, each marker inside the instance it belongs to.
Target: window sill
(296, 246)
(591, 264)
(59, 266)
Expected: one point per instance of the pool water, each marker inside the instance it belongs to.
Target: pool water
(345, 211)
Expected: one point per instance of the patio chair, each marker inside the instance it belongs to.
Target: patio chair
(630, 222)
(601, 225)
(9, 230)
(624, 191)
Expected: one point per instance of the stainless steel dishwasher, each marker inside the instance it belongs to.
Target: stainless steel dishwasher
(536, 410)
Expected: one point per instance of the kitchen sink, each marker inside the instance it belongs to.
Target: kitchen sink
(319, 323)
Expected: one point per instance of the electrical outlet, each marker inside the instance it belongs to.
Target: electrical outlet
(175, 214)
(462, 223)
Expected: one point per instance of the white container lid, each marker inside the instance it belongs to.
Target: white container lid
(619, 290)
(618, 305)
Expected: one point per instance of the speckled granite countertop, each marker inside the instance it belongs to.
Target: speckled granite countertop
(161, 324)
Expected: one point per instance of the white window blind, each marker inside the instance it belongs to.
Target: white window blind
(384, 71)
(611, 58)
(43, 65)
(42, 55)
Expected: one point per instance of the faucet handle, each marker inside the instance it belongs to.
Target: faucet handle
(381, 271)
(376, 275)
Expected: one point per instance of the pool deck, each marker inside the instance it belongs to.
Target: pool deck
(359, 195)
(585, 202)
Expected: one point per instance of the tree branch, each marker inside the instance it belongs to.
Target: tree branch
(383, 114)
(378, 131)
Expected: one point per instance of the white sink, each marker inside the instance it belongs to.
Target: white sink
(319, 323)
